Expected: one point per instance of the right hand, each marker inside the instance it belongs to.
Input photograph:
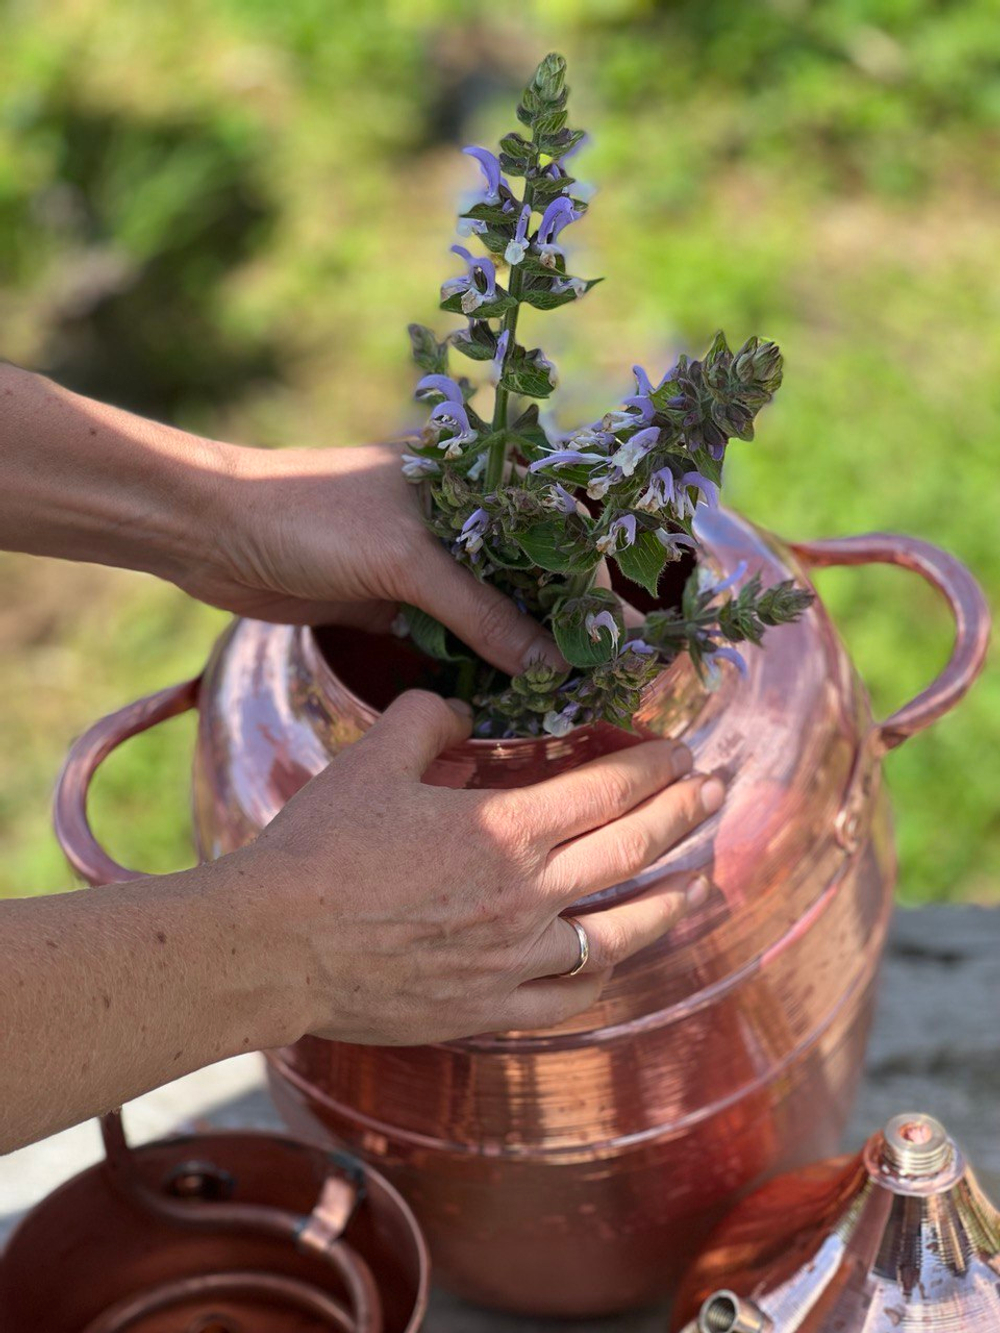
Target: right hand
(421, 913)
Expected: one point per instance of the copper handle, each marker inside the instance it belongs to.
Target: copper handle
(75, 836)
(962, 593)
(319, 1233)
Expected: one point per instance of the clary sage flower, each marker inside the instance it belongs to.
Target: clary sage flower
(544, 514)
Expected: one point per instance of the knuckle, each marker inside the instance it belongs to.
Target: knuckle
(495, 624)
(634, 849)
(614, 790)
(611, 947)
(503, 823)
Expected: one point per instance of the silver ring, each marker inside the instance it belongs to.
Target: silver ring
(581, 935)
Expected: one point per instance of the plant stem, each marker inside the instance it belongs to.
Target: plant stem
(497, 460)
(465, 686)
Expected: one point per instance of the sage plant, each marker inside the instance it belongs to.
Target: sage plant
(542, 515)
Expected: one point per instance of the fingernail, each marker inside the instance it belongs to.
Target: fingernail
(698, 890)
(682, 760)
(713, 793)
(460, 707)
(544, 650)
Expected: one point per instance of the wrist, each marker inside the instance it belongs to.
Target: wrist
(264, 948)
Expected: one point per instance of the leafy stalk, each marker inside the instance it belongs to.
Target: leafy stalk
(642, 469)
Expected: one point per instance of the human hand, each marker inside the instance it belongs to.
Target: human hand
(335, 536)
(420, 913)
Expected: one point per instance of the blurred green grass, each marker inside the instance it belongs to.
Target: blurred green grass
(225, 216)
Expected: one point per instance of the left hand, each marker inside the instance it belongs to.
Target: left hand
(335, 536)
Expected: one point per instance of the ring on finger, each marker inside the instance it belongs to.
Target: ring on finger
(584, 942)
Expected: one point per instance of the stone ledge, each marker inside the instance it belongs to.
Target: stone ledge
(934, 1048)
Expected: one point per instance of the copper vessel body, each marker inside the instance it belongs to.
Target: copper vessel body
(872, 1242)
(216, 1233)
(575, 1171)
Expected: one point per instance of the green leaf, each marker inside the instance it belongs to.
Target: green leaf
(548, 300)
(478, 342)
(495, 241)
(516, 145)
(429, 354)
(525, 376)
(569, 625)
(550, 122)
(553, 546)
(430, 636)
(488, 310)
(643, 561)
(492, 213)
(556, 145)
(547, 188)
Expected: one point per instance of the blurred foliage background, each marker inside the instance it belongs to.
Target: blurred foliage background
(224, 216)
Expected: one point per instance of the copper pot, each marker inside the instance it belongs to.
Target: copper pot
(575, 1171)
(899, 1237)
(216, 1233)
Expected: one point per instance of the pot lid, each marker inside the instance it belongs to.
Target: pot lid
(899, 1237)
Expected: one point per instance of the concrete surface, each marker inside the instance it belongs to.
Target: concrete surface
(935, 1048)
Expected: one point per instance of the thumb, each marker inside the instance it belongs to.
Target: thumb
(415, 728)
(483, 618)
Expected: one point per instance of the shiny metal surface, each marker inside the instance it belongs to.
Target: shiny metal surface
(216, 1233)
(575, 1171)
(899, 1238)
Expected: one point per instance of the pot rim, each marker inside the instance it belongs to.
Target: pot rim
(679, 675)
(679, 672)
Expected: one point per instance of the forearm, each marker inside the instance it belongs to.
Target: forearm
(85, 481)
(108, 992)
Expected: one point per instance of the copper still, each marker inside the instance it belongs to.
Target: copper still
(900, 1237)
(216, 1233)
(576, 1171)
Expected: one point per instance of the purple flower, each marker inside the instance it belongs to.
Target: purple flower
(518, 247)
(673, 541)
(558, 497)
(470, 226)
(490, 165)
(449, 416)
(481, 270)
(438, 384)
(473, 530)
(706, 584)
(620, 533)
(558, 722)
(708, 491)
(558, 215)
(640, 646)
(659, 493)
(711, 663)
(615, 421)
(633, 450)
(415, 467)
(642, 398)
(594, 623)
(565, 458)
(601, 482)
(590, 435)
(499, 356)
(575, 285)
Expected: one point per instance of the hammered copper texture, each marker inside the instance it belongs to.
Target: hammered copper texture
(576, 1171)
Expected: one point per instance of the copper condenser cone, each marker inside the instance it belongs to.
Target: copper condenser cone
(899, 1238)
(216, 1233)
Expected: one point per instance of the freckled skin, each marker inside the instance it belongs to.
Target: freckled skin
(417, 913)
